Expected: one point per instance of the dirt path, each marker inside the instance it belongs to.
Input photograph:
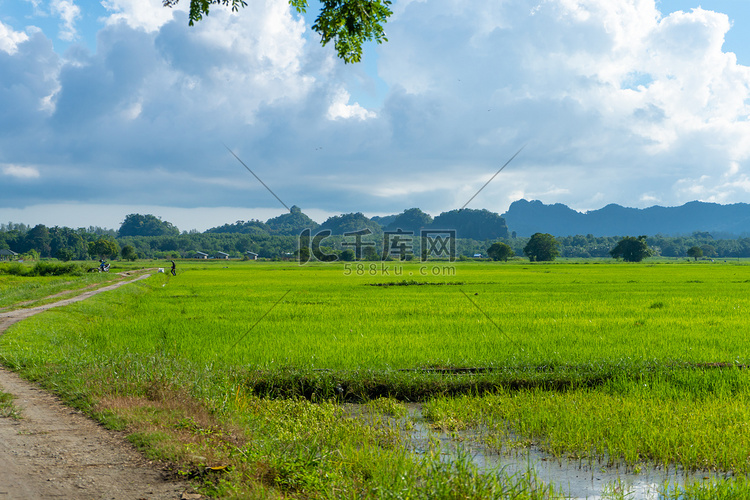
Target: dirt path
(125, 274)
(54, 451)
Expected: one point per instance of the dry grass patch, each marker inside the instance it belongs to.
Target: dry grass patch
(172, 426)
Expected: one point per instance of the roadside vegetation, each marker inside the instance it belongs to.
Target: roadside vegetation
(7, 408)
(242, 373)
(42, 268)
(23, 285)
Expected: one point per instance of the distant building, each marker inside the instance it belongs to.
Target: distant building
(477, 255)
(251, 255)
(222, 255)
(201, 255)
(6, 254)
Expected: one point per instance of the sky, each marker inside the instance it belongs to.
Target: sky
(114, 107)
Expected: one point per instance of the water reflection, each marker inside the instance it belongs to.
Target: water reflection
(582, 479)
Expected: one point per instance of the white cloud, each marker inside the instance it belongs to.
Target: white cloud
(148, 15)
(732, 186)
(618, 103)
(233, 63)
(649, 199)
(37, 7)
(10, 39)
(340, 108)
(591, 81)
(733, 169)
(68, 12)
(133, 111)
(20, 172)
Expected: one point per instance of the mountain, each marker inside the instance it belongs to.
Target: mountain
(383, 220)
(471, 223)
(292, 223)
(467, 222)
(349, 223)
(412, 219)
(249, 227)
(528, 217)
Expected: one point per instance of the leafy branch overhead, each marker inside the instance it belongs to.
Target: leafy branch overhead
(348, 23)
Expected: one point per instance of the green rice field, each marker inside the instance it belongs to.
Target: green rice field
(484, 315)
(625, 364)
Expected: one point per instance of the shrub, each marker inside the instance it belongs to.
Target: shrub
(43, 268)
(14, 268)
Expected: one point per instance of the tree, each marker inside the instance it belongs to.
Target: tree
(146, 225)
(64, 254)
(347, 255)
(709, 250)
(500, 251)
(129, 253)
(304, 254)
(66, 240)
(348, 23)
(631, 249)
(369, 253)
(30, 255)
(542, 247)
(695, 252)
(39, 239)
(104, 248)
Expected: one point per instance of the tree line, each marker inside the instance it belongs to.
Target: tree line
(66, 244)
(149, 237)
(545, 247)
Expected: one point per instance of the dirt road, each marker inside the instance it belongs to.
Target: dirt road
(54, 451)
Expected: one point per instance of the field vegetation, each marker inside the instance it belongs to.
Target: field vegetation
(239, 371)
(24, 285)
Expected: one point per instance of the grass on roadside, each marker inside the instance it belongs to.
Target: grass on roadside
(7, 408)
(25, 291)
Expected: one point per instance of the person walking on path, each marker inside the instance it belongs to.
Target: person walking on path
(174, 268)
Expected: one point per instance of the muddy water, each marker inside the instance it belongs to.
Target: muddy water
(576, 479)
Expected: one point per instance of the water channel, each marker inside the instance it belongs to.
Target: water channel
(582, 479)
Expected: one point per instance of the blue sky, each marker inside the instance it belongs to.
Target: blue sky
(117, 107)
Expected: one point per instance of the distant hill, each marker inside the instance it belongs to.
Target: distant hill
(146, 225)
(249, 227)
(468, 223)
(412, 219)
(471, 223)
(287, 224)
(292, 223)
(383, 220)
(349, 223)
(528, 217)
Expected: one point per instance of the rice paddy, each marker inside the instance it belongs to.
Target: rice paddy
(621, 364)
